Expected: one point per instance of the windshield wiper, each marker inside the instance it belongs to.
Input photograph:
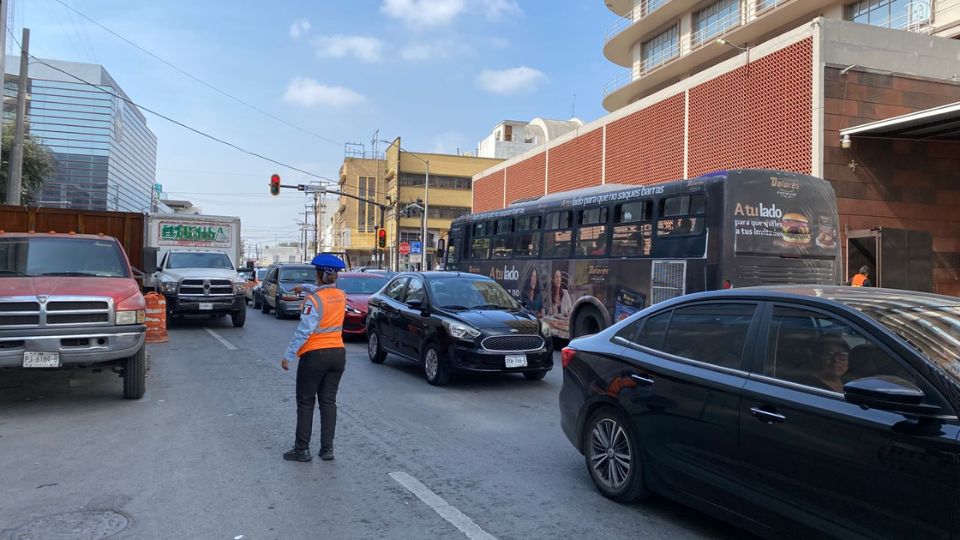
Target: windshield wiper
(454, 306)
(76, 274)
(491, 306)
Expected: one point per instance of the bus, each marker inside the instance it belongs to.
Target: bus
(586, 258)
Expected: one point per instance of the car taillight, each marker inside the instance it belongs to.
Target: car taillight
(566, 356)
(727, 284)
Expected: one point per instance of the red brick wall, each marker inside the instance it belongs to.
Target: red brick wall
(895, 183)
(576, 163)
(647, 146)
(758, 115)
(526, 179)
(488, 192)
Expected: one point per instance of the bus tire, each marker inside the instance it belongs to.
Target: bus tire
(588, 321)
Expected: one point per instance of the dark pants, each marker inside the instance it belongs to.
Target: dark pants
(318, 377)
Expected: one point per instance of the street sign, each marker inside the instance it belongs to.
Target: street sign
(416, 248)
(404, 248)
(313, 188)
(158, 188)
(414, 258)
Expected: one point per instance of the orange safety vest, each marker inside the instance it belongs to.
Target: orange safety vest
(858, 280)
(330, 304)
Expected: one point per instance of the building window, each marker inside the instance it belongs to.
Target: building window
(648, 6)
(661, 49)
(714, 20)
(436, 181)
(898, 14)
(366, 212)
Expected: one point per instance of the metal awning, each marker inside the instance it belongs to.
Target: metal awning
(939, 123)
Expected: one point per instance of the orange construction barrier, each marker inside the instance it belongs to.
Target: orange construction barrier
(156, 318)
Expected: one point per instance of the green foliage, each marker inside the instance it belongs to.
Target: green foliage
(37, 166)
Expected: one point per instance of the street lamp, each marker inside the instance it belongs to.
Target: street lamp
(741, 48)
(426, 203)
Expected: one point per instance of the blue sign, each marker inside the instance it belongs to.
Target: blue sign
(415, 248)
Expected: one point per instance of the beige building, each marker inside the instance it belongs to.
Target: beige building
(664, 41)
(398, 182)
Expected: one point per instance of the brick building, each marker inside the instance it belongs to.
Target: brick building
(782, 104)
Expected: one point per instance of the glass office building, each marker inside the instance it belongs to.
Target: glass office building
(104, 155)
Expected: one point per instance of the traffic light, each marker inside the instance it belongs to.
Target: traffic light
(275, 185)
(381, 238)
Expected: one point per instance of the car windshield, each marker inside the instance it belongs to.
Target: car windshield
(467, 293)
(61, 257)
(356, 285)
(298, 274)
(261, 273)
(199, 260)
(934, 331)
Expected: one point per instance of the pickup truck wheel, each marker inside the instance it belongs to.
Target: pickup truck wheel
(135, 375)
(239, 317)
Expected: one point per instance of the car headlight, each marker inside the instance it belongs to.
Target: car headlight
(239, 287)
(544, 328)
(168, 287)
(461, 331)
(130, 317)
(352, 310)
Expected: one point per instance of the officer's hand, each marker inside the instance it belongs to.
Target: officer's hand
(285, 364)
(298, 289)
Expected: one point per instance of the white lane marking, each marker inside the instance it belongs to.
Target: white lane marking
(456, 518)
(218, 337)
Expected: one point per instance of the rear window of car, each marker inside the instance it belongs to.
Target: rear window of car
(301, 274)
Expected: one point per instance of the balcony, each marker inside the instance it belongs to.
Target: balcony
(620, 7)
(694, 51)
(638, 24)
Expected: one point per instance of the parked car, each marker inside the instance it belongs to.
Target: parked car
(70, 301)
(254, 278)
(277, 292)
(452, 322)
(358, 286)
(807, 412)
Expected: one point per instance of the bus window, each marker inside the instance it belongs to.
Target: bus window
(682, 205)
(527, 237)
(503, 242)
(635, 211)
(681, 215)
(558, 238)
(685, 226)
(634, 240)
(451, 253)
(479, 244)
(592, 234)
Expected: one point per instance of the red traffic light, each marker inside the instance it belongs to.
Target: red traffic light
(275, 185)
(381, 238)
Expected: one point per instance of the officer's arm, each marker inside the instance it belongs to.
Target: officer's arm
(309, 317)
(309, 287)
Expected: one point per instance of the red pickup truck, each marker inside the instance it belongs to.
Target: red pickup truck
(71, 301)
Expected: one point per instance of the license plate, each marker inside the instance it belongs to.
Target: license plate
(206, 306)
(41, 359)
(516, 360)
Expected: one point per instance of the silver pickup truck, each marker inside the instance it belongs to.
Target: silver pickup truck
(201, 283)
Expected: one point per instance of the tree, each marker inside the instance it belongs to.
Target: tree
(37, 166)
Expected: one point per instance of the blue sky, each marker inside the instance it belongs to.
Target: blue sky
(439, 73)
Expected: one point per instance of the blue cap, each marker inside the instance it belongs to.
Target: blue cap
(325, 261)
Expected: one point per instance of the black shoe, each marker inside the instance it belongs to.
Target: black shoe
(298, 455)
(326, 454)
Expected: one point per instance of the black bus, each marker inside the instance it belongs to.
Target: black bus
(583, 259)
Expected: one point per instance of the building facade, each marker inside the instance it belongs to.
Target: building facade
(354, 222)
(512, 138)
(784, 104)
(104, 155)
(663, 41)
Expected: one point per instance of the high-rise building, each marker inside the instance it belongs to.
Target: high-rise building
(104, 155)
(512, 138)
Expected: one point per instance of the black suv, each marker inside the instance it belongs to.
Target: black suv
(454, 322)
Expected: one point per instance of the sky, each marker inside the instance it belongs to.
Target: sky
(441, 74)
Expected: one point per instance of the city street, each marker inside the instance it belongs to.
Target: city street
(199, 455)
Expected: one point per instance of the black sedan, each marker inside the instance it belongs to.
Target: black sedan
(805, 412)
(452, 322)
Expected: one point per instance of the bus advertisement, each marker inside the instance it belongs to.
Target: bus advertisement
(584, 259)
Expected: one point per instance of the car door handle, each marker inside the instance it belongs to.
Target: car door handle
(642, 380)
(769, 417)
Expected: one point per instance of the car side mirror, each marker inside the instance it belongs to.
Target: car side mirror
(887, 393)
(418, 304)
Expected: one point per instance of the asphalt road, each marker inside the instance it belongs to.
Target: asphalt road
(199, 455)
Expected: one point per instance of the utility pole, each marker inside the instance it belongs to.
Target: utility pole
(316, 220)
(16, 154)
(3, 44)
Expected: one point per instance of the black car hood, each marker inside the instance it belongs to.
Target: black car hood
(494, 322)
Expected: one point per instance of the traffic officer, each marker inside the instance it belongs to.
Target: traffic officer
(318, 342)
(862, 278)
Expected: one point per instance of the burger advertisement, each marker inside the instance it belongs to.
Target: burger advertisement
(782, 215)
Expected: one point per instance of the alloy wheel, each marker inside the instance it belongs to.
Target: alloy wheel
(431, 363)
(610, 454)
(373, 344)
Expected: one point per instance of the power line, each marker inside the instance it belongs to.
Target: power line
(178, 123)
(201, 81)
